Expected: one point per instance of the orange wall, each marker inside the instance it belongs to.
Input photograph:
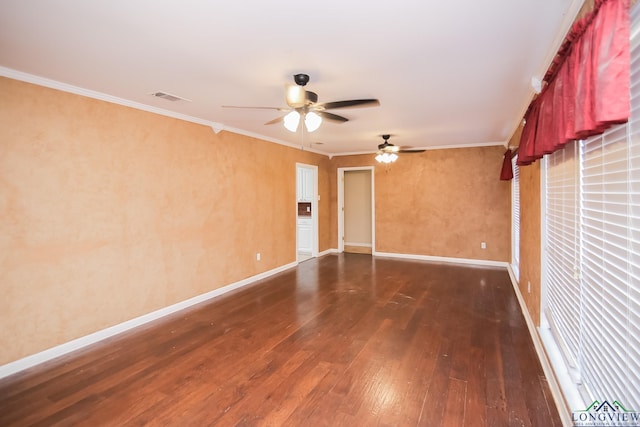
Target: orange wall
(530, 265)
(439, 203)
(108, 213)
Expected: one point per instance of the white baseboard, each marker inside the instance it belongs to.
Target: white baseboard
(62, 349)
(327, 252)
(443, 259)
(549, 373)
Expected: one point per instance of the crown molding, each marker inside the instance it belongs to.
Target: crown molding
(275, 141)
(437, 147)
(53, 84)
(215, 126)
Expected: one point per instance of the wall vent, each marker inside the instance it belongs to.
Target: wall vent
(169, 97)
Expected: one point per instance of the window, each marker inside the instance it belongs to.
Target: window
(515, 218)
(591, 283)
(562, 288)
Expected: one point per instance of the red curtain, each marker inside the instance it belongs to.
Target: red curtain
(587, 86)
(506, 174)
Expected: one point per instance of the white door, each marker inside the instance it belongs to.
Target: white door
(305, 236)
(307, 198)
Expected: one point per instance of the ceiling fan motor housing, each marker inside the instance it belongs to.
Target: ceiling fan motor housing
(301, 79)
(304, 102)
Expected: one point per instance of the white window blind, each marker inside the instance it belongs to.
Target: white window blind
(515, 216)
(607, 282)
(562, 253)
(592, 251)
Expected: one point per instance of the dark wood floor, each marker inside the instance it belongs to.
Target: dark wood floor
(345, 340)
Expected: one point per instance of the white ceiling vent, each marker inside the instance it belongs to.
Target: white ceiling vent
(169, 97)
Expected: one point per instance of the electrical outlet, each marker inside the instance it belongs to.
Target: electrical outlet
(528, 286)
(258, 256)
(483, 245)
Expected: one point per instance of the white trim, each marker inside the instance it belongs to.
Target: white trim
(215, 126)
(70, 346)
(516, 270)
(443, 259)
(363, 245)
(567, 22)
(373, 209)
(327, 252)
(475, 145)
(274, 140)
(515, 236)
(340, 184)
(64, 87)
(315, 236)
(554, 386)
(568, 388)
(543, 233)
(341, 172)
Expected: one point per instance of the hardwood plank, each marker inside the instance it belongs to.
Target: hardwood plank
(340, 340)
(455, 408)
(476, 398)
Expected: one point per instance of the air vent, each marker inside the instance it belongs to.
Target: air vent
(169, 97)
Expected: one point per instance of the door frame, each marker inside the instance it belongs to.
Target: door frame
(314, 208)
(341, 172)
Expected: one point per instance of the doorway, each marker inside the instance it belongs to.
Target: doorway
(306, 211)
(356, 210)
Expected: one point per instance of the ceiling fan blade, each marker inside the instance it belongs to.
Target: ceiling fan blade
(350, 103)
(387, 147)
(332, 117)
(411, 151)
(276, 120)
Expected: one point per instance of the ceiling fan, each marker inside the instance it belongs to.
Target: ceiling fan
(304, 104)
(388, 153)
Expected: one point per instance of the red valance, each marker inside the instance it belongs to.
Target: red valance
(587, 86)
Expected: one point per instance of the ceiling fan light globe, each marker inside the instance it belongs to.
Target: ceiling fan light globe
(386, 157)
(291, 121)
(312, 121)
(296, 96)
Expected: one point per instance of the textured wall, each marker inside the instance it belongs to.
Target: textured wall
(530, 266)
(108, 213)
(440, 203)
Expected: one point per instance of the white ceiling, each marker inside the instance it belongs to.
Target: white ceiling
(446, 73)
